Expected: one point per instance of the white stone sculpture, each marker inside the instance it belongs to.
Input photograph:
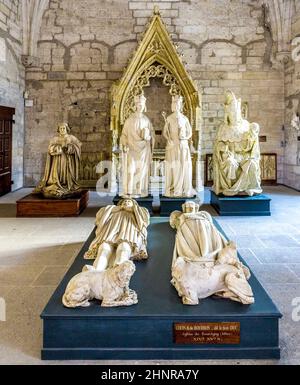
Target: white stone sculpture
(236, 157)
(295, 122)
(178, 132)
(204, 263)
(121, 235)
(136, 143)
(110, 286)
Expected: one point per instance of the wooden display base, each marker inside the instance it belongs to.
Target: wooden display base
(34, 205)
(154, 328)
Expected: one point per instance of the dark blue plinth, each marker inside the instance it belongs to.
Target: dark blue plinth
(143, 202)
(168, 205)
(145, 331)
(258, 205)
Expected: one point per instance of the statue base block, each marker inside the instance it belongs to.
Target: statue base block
(146, 202)
(149, 330)
(168, 205)
(34, 205)
(258, 205)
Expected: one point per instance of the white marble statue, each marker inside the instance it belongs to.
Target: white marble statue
(110, 286)
(178, 165)
(121, 235)
(204, 263)
(136, 143)
(236, 157)
(295, 122)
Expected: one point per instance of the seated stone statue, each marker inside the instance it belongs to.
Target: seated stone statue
(62, 166)
(236, 157)
(204, 263)
(110, 286)
(121, 235)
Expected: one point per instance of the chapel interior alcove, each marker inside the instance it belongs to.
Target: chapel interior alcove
(158, 101)
(158, 71)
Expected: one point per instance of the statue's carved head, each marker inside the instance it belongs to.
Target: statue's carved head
(63, 129)
(190, 207)
(140, 103)
(126, 203)
(233, 109)
(177, 103)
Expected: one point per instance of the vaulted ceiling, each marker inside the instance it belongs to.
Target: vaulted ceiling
(32, 15)
(279, 17)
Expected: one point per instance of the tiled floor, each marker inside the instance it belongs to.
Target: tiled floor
(35, 254)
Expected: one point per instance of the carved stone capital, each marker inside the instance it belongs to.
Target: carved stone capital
(283, 57)
(30, 61)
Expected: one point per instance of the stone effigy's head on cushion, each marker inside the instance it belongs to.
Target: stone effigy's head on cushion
(127, 204)
(140, 103)
(190, 209)
(109, 286)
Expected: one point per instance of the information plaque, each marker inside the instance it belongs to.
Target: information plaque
(221, 333)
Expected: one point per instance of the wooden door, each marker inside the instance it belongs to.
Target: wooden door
(6, 123)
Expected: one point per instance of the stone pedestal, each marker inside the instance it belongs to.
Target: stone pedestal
(168, 205)
(258, 205)
(149, 330)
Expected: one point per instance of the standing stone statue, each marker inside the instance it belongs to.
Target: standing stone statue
(178, 132)
(62, 166)
(204, 262)
(121, 235)
(236, 153)
(137, 143)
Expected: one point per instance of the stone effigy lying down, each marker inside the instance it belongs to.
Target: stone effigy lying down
(121, 236)
(204, 262)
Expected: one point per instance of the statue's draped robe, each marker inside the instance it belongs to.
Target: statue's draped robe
(237, 160)
(62, 168)
(116, 225)
(178, 156)
(197, 239)
(200, 244)
(137, 135)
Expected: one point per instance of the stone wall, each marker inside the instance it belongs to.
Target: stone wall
(84, 46)
(292, 94)
(12, 78)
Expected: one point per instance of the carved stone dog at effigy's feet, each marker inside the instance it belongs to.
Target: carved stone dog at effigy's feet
(110, 286)
(227, 278)
(204, 262)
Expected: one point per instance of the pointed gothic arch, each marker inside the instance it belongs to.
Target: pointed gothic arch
(155, 57)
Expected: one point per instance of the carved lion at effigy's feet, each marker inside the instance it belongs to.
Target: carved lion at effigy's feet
(110, 286)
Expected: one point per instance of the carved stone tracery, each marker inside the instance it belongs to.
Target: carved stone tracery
(156, 57)
(154, 71)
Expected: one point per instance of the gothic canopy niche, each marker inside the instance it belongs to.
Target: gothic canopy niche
(156, 57)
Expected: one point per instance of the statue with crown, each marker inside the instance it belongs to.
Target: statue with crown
(136, 144)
